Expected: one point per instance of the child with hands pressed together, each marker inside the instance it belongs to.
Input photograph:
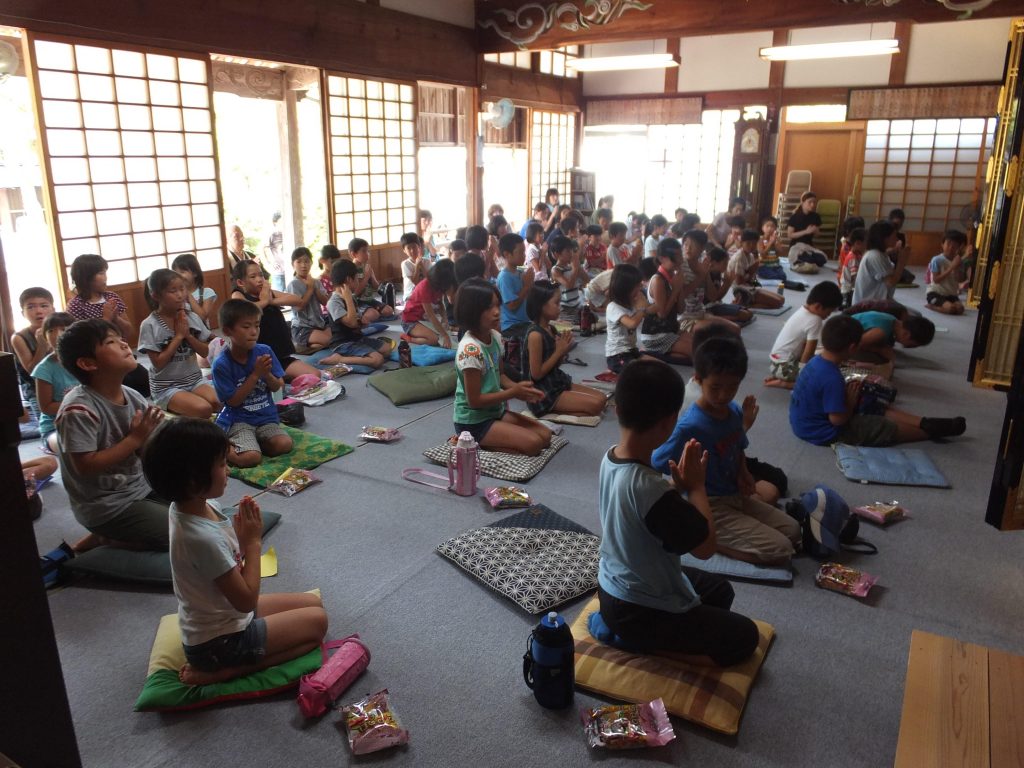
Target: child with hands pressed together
(244, 376)
(172, 336)
(228, 629)
(569, 274)
(651, 603)
(659, 332)
(371, 308)
(624, 311)
(347, 340)
(102, 425)
(201, 298)
(482, 389)
(29, 344)
(309, 327)
(545, 351)
(944, 270)
(414, 267)
(513, 285)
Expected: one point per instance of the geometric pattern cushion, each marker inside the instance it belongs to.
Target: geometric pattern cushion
(713, 697)
(163, 691)
(512, 467)
(536, 558)
(888, 466)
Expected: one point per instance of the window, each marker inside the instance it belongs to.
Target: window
(130, 155)
(372, 158)
(518, 59)
(929, 168)
(553, 62)
(552, 152)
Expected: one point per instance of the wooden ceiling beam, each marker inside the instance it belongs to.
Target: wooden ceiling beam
(688, 18)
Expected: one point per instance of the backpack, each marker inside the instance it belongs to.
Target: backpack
(826, 523)
(386, 291)
(512, 357)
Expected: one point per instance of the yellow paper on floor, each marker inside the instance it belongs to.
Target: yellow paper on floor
(268, 563)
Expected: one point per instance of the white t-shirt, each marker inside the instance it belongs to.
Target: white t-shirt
(871, 285)
(535, 262)
(202, 551)
(620, 338)
(802, 327)
(740, 264)
(408, 270)
(617, 254)
(651, 245)
(949, 286)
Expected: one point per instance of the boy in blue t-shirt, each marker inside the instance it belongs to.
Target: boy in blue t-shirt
(513, 284)
(746, 528)
(823, 407)
(244, 375)
(647, 599)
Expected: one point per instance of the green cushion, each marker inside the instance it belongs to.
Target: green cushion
(164, 691)
(137, 566)
(414, 385)
(308, 451)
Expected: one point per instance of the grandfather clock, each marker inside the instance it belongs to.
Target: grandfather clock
(748, 165)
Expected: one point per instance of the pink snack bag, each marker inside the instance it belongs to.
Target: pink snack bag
(628, 726)
(317, 691)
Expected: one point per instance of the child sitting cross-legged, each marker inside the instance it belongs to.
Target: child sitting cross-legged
(746, 528)
(172, 336)
(482, 389)
(102, 426)
(348, 342)
(823, 409)
(743, 265)
(371, 308)
(228, 629)
(53, 380)
(244, 375)
(651, 603)
(569, 274)
(798, 339)
(626, 309)
(545, 350)
(944, 273)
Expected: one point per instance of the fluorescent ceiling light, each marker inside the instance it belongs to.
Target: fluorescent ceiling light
(830, 50)
(617, 63)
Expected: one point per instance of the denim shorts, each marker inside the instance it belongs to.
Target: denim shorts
(239, 649)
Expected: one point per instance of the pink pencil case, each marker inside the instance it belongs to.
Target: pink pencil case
(319, 690)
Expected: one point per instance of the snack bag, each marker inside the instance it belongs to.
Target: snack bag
(380, 434)
(372, 724)
(507, 497)
(840, 578)
(628, 726)
(881, 512)
(292, 481)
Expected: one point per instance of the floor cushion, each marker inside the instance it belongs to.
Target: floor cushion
(163, 691)
(137, 566)
(563, 418)
(888, 466)
(424, 354)
(774, 312)
(513, 467)
(414, 385)
(713, 697)
(737, 569)
(536, 558)
(308, 451)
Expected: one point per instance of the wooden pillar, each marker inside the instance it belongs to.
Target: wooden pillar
(898, 62)
(35, 720)
(291, 175)
(672, 46)
(474, 158)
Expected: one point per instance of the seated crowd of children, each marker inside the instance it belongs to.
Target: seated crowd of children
(670, 295)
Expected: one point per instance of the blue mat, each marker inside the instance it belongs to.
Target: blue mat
(772, 312)
(424, 354)
(737, 569)
(888, 466)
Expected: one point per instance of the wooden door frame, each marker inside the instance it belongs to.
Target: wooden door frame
(855, 161)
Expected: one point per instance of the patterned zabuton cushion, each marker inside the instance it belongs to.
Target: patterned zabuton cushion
(536, 558)
(513, 467)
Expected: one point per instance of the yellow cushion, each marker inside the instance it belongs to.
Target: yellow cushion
(710, 696)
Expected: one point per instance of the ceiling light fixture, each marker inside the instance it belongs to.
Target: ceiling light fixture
(623, 63)
(830, 50)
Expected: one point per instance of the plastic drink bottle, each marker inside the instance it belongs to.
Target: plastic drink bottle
(586, 321)
(548, 665)
(464, 466)
(404, 354)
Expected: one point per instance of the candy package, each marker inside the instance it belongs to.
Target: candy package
(840, 578)
(292, 481)
(373, 724)
(881, 512)
(507, 497)
(628, 726)
(380, 434)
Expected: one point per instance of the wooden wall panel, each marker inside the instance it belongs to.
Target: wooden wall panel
(342, 35)
(529, 88)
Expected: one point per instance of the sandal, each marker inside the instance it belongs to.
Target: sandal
(575, 361)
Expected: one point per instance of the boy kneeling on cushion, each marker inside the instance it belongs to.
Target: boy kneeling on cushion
(651, 603)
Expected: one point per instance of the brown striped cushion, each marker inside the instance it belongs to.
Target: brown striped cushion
(710, 696)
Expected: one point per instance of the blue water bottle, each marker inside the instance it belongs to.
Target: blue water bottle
(548, 665)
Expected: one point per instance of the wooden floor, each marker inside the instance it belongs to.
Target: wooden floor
(963, 705)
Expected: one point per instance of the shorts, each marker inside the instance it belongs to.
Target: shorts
(286, 361)
(478, 430)
(300, 335)
(658, 342)
(142, 522)
(365, 303)
(868, 429)
(239, 649)
(784, 370)
(617, 362)
(164, 399)
(938, 299)
(246, 437)
(363, 348)
(725, 310)
(407, 327)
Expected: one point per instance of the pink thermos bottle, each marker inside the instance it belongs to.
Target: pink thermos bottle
(464, 466)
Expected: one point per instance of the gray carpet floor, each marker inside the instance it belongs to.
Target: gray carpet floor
(449, 650)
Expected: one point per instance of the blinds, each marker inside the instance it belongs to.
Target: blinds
(938, 102)
(653, 111)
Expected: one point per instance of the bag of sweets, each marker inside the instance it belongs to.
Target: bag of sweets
(628, 726)
(380, 434)
(840, 578)
(372, 724)
(507, 497)
(292, 481)
(881, 512)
